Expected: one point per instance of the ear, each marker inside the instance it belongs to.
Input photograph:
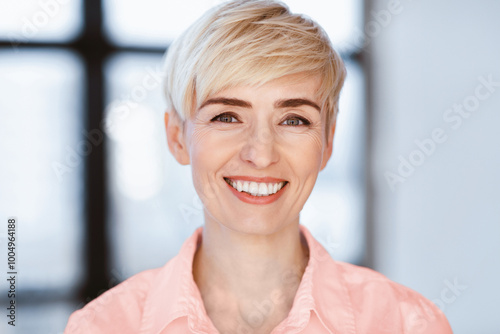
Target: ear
(175, 138)
(327, 153)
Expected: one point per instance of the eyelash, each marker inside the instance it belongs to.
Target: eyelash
(304, 121)
(228, 114)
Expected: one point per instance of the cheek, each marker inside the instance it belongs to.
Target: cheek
(204, 147)
(305, 148)
(199, 143)
(200, 148)
(209, 153)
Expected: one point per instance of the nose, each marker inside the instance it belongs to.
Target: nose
(260, 148)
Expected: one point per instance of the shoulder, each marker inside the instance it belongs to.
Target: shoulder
(118, 309)
(390, 303)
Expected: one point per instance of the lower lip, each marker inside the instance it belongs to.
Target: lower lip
(247, 198)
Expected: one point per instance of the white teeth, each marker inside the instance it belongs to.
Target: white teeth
(263, 189)
(253, 188)
(256, 189)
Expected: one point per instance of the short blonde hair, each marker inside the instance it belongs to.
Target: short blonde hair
(249, 42)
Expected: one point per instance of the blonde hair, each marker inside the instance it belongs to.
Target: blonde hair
(249, 42)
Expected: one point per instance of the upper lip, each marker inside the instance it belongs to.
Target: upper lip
(266, 179)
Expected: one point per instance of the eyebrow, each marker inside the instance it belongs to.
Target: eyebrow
(227, 102)
(280, 104)
(292, 103)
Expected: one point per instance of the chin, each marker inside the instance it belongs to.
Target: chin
(255, 226)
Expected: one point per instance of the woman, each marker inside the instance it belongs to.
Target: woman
(252, 93)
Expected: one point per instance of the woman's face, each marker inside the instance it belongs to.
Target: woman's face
(268, 137)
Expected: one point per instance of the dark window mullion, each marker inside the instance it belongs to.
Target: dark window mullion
(94, 51)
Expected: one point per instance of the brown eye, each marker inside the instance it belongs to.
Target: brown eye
(292, 121)
(296, 121)
(225, 118)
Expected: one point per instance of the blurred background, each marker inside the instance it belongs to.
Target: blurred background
(412, 189)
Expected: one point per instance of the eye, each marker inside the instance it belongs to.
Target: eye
(225, 118)
(296, 121)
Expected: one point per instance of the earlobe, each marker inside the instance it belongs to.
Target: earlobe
(175, 138)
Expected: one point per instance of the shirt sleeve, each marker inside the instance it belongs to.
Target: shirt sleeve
(384, 306)
(420, 315)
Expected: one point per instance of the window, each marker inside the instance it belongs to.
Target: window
(28, 21)
(40, 126)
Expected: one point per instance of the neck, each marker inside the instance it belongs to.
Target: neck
(248, 265)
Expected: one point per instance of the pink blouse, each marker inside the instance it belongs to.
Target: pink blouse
(333, 297)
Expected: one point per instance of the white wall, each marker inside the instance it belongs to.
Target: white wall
(443, 222)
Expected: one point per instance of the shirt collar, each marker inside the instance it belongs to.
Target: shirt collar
(322, 290)
(333, 304)
(183, 299)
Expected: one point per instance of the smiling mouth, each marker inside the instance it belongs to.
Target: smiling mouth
(258, 189)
